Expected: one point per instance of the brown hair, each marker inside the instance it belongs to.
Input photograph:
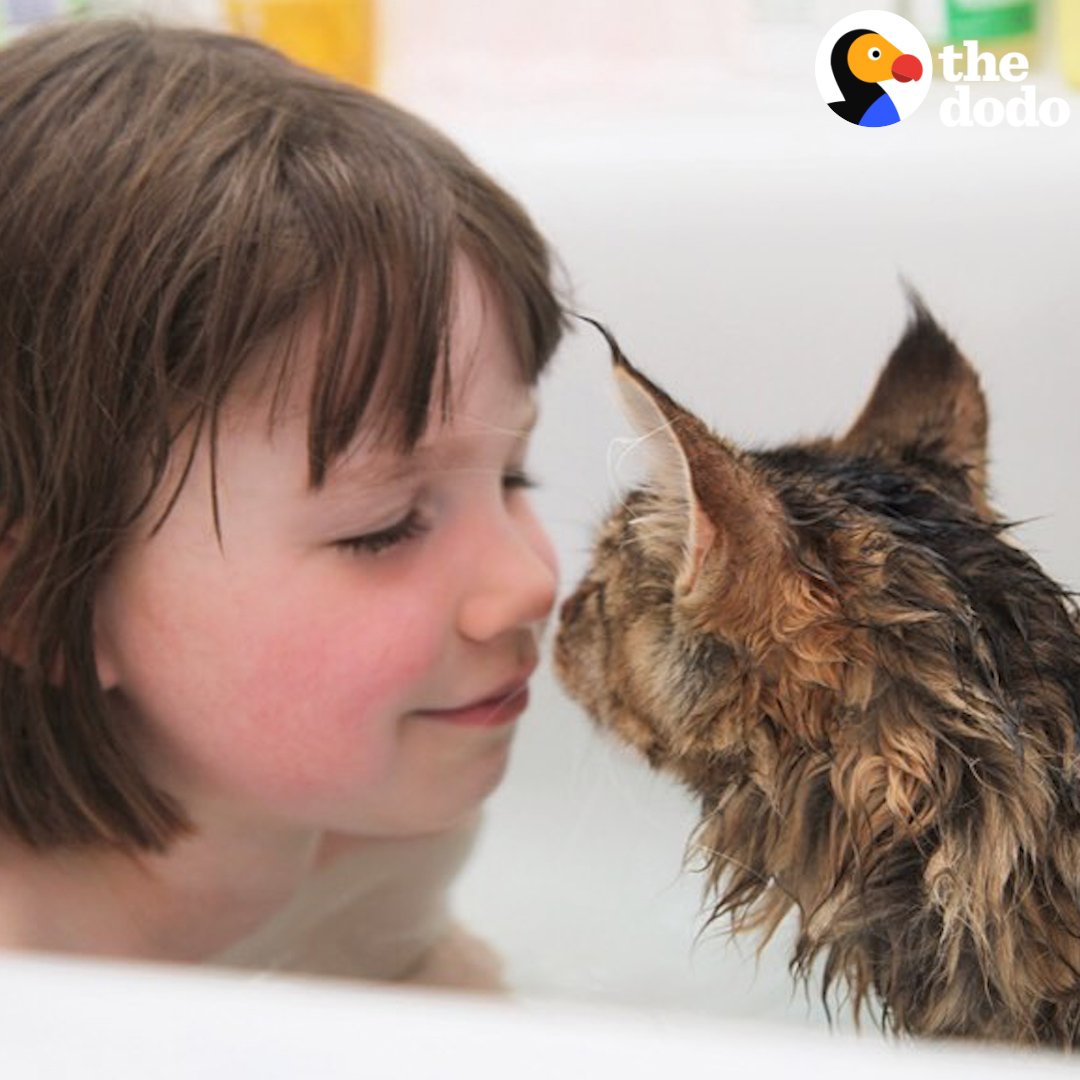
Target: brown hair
(171, 199)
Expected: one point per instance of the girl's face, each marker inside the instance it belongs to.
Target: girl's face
(322, 665)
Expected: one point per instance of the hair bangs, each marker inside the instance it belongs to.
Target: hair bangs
(383, 232)
(385, 324)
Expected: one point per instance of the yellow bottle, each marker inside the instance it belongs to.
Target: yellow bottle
(1068, 30)
(333, 36)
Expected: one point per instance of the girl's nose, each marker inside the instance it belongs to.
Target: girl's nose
(514, 580)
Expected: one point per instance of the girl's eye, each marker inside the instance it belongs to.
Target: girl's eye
(408, 528)
(412, 526)
(518, 480)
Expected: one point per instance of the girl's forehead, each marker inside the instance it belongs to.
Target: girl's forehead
(480, 397)
(476, 328)
(456, 443)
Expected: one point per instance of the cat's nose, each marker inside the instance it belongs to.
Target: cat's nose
(571, 608)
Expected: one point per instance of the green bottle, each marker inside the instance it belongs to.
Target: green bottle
(999, 26)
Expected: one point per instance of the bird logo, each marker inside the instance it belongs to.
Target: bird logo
(870, 73)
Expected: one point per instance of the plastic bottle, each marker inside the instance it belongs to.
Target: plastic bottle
(1068, 34)
(1002, 26)
(999, 26)
(334, 36)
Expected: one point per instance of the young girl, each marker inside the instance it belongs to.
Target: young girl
(271, 586)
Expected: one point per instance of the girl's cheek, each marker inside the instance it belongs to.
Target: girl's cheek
(365, 653)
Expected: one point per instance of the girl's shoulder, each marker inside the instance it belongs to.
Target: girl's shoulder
(371, 909)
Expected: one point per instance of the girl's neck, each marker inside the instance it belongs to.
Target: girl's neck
(205, 894)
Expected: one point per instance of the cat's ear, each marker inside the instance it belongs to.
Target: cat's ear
(669, 467)
(927, 402)
(716, 506)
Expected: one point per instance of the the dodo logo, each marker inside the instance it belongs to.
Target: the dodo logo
(874, 68)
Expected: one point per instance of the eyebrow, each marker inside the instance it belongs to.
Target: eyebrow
(399, 467)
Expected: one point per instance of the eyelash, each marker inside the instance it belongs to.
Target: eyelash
(412, 526)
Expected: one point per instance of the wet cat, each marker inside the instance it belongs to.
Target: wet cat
(872, 691)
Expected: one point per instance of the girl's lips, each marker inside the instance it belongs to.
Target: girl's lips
(498, 709)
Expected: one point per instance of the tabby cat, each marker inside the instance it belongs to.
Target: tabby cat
(873, 693)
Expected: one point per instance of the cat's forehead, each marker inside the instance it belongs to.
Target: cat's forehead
(821, 471)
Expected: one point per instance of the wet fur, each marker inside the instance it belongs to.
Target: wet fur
(873, 692)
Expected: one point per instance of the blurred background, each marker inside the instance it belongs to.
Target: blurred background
(747, 248)
(521, 51)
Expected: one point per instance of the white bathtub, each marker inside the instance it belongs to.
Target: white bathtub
(104, 1021)
(747, 253)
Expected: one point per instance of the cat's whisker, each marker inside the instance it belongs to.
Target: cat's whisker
(611, 466)
(625, 447)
